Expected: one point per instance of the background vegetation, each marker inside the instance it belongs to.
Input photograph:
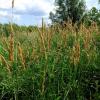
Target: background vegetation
(54, 62)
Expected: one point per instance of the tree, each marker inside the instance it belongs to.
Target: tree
(68, 9)
(92, 16)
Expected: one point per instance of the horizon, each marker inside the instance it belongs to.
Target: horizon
(31, 12)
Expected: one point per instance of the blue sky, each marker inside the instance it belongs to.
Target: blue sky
(30, 12)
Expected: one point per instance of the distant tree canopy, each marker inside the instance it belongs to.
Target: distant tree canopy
(68, 10)
(92, 16)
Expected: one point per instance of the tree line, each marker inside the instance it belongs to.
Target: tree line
(74, 10)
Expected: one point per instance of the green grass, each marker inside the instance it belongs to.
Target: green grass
(50, 73)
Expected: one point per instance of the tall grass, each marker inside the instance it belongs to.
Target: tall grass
(52, 63)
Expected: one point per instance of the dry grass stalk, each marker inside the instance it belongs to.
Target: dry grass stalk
(12, 4)
(75, 57)
(4, 62)
(70, 26)
(42, 42)
(64, 37)
(86, 44)
(11, 48)
(6, 43)
(87, 36)
(33, 55)
(20, 54)
(49, 37)
(44, 34)
(94, 28)
(87, 39)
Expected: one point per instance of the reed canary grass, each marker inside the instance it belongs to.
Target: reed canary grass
(11, 44)
(20, 54)
(34, 55)
(49, 39)
(4, 62)
(42, 42)
(6, 43)
(75, 56)
(87, 39)
(11, 48)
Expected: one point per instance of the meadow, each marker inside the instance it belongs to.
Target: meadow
(50, 63)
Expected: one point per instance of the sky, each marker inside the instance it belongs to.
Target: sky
(30, 12)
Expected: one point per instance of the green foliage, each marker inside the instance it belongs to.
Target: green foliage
(51, 74)
(92, 16)
(68, 9)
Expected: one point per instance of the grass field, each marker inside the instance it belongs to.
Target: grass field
(51, 63)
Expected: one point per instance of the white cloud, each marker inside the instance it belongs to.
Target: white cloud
(23, 5)
(5, 4)
(40, 8)
(36, 8)
(91, 3)
(5, 14)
